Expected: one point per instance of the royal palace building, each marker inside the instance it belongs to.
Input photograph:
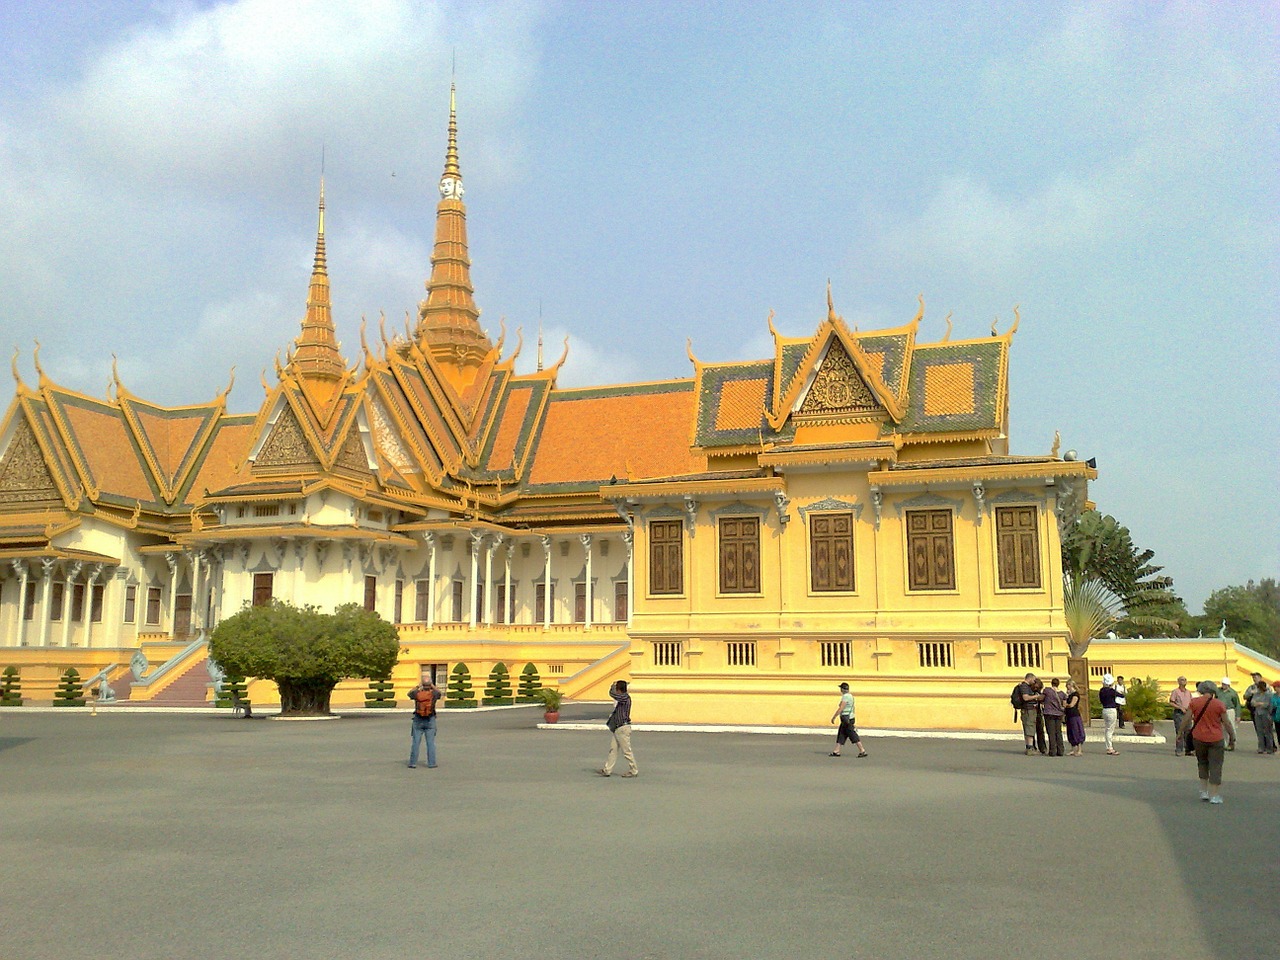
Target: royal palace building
(735, 542)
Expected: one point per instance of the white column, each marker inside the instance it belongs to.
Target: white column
(88, 599)
(46, 574)
(20, 568)
(629, 539)
(430, 540)
(477, 538)
(546, 582)
(171, 558)
(197, 618)
(489, 546)
(506, 586)
(68, 595)
(586, 546)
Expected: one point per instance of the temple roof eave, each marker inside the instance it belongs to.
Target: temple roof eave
(918, 475)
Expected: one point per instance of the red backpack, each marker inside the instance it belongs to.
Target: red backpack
(424, 703)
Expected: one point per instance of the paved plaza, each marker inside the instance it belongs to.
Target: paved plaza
(172, 836)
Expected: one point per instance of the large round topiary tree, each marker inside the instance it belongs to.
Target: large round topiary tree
(304, 651)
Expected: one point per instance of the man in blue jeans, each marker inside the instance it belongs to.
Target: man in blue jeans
(424, 697)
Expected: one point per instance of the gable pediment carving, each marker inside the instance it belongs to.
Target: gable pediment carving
(24, 476)
(838, 390)
(286, 445)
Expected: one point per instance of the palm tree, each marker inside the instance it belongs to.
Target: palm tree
(1091, 608)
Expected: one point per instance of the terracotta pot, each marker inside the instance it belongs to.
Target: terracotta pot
(551, 716)
(1144, 729)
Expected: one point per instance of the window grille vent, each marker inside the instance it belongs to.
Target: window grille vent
(935, 654)
(267, 510)
(667, 653)
(740, 653)
(836, 653)
(1023, 654)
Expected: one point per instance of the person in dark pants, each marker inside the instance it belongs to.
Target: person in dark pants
(1206, 722)
(1120, 692)
(847, 731)
(1052, 709)
(1180, 700)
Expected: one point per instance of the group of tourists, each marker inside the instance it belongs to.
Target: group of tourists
(1046, 712)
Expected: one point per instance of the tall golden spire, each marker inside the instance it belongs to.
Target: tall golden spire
(448, 320)
(315, 353)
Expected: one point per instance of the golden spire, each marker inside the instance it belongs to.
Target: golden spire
(315, 353)
(448, 320)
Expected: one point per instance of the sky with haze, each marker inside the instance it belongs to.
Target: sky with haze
(642, 173)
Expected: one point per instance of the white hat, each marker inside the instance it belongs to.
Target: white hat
(1108, 679)
(1226, 681)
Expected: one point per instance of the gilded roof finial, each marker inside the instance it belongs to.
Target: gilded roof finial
(451, 167)
(831, 307)
(947, 336)
(993, 325)
(13, 364)
(317, 354)
(35, 358)
(1057, 444)
(1016, 320)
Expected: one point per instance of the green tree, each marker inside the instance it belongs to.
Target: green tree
(530, 684)
(1099, 549)
(69, 693)
(11, 688)
(304, 651)
(1251, 613)
(460, 692)
(498, 691)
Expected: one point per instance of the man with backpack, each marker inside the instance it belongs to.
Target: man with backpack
(1025, 700)
(424, 698)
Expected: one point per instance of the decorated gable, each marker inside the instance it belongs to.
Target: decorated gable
(838, 390)
(24, 476)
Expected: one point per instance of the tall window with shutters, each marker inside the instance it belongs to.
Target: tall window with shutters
(263, 587)
(371, 593)
(930, 550)
(831, 552)
(739, 554)
(666, 557)
(1018, 548)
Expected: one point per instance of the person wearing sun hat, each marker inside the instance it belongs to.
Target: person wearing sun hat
(1231, 700)
(1110, 711)
(1180, 700)
(1206, 721)
(847, 731)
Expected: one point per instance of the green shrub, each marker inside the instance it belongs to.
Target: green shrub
(460, 693)
(530, 684)
(233, 688)
(498, 691)
(381, 694)
(10, 688)
(69, 692)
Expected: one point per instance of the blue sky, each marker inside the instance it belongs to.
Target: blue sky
(643, 173)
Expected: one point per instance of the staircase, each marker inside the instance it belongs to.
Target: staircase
(190, 689)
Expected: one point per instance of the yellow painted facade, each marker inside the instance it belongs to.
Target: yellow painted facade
(736, 542)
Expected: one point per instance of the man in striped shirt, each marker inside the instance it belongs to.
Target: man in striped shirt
(619, 724)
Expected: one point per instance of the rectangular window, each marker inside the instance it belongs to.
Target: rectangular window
(77, 602)
(540, 604)
(56, 596)
(1023, 654)
(457, 602)
(836, 653)
(421, 600)
(1100, 670)
(182, 615)
(831, 552)
(263, 587)
(130, 603)
(740, 555)
(95, 603)
(267, 510)
(930, 550)
(580, 602)
(371, 593)
(740, 653)
(506, 604)
(935, 654)
(666, 653)
(153, 605)
(399, 602)
(620, 601)
(482, 614)
(29, 602)
(666, 556)
(1018, 547)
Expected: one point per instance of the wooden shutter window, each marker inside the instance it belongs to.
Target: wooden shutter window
(666, 556)
(1018, 547)
(831, 552)
(740, 555)
(370, 593)
(930, 550)
(262, 586)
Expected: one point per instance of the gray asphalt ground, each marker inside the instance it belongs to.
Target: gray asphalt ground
(202, 836)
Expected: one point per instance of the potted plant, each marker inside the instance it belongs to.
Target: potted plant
(550, 698)
(1143, 706)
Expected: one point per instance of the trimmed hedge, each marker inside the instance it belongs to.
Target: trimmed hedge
(381, 694)
(10, 688)
(69, 692)
(232, 688)
(460, 693)
(530, 684)
(498, 691)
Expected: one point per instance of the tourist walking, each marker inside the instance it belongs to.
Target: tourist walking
(1121, 690)
(1231, 700)
(1110, 711)
(1052, 708)
(1180, 700)
(1206, 722)
(424, 697)
(1075, 723)
(619, 724)
(847, 731)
